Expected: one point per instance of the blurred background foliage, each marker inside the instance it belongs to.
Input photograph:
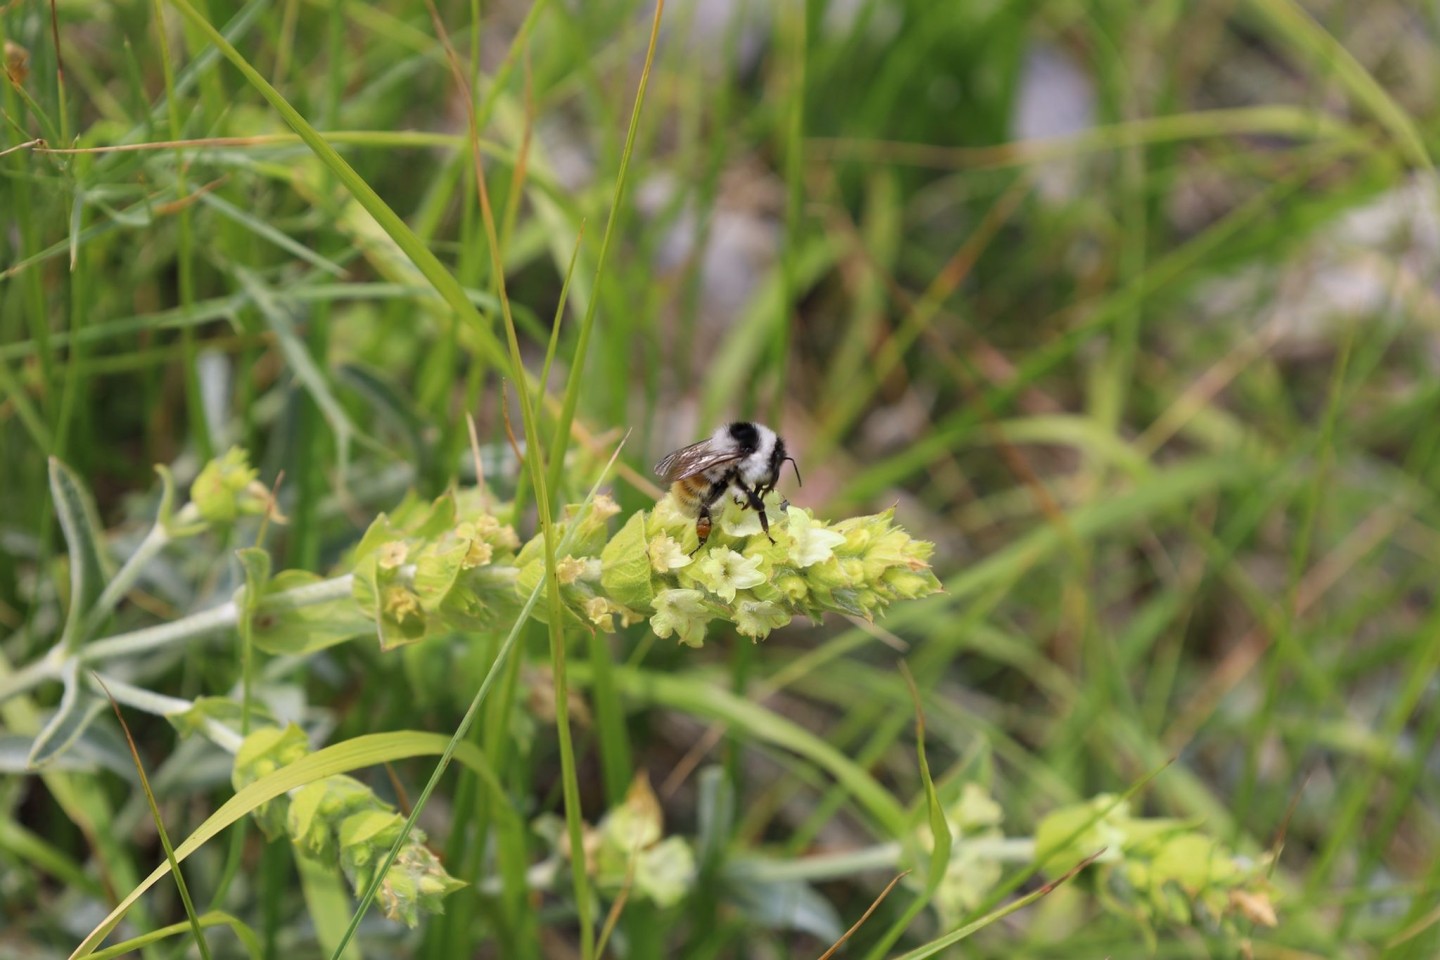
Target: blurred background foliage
(1129, 308)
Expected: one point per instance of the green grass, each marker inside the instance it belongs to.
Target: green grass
(1173, 432)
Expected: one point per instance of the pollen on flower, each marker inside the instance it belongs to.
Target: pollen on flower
(723, 571)
(487, 528)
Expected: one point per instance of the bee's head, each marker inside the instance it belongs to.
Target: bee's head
(778, 456)
(746, 435)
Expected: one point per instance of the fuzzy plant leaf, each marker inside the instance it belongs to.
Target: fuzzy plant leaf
(277, 627)
(88, 568)
(625, 565)
(77, 710)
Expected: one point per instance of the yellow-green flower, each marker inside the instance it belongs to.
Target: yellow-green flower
(597, 611)
(569, 569)
(401, 602)
(228, 487)
(683, 613)
(756, 618)
(741, 523)
(392, 554)
(666, 554)
(811, 542)
(723, 571)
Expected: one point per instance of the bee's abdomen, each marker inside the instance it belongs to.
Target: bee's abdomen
(691, 493)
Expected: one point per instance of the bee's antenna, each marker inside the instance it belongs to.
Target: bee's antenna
(796, 467)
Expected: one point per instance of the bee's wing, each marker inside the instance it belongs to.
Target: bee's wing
(696, 458)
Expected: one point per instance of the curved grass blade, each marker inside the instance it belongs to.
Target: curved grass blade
(950, 939)
(213, 918)
(587, 324)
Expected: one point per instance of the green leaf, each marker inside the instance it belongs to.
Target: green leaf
(436, 570)
(715, 815)
(788, 905)
(327, 904)
(1082, 829)
(625, 565)
(304, 629)
(941, 839)
(81, 526)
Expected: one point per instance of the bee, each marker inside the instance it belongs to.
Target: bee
(741, 457)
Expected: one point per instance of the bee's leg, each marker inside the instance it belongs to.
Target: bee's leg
(702, 528)
(758, 505)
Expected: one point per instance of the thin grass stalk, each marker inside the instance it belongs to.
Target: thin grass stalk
(560, 438)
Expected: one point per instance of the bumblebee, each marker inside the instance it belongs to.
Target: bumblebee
(741, 458)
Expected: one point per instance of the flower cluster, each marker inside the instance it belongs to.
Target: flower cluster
(1156, 870)
(456, 563)
(628, 847)
(431, 568)
(857, 566)
(583, 531)
(228, 487)
(340, 817)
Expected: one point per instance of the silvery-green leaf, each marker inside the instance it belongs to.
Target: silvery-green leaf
(81, 526)
(715, 815)
(78, 707)
(95, 750)
(788, 905)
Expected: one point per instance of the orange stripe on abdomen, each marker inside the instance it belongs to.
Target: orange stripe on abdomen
(690, 492)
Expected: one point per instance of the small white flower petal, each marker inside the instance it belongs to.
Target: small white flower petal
(666, 554)
(811, 543)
